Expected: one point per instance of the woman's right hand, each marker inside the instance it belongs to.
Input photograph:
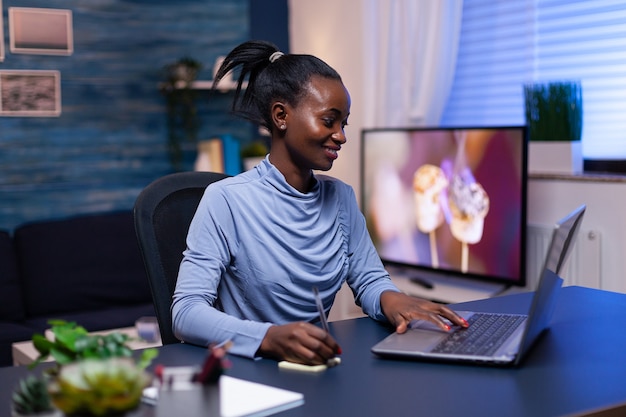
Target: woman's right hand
(299, 342)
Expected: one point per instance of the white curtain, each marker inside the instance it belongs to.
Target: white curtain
(411, 49)
(398, 56)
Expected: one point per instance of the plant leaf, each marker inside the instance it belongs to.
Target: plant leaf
(42, 344)
(147, 355)
(62, 356)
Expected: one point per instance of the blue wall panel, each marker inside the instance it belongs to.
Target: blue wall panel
(111, 138)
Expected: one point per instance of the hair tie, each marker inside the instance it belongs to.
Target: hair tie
(275, 56)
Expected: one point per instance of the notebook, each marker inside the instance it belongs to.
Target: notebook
(509, 336)
(235, 398)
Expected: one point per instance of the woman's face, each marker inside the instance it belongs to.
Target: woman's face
(314, 129)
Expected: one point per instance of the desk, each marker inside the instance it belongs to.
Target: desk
(568, 373)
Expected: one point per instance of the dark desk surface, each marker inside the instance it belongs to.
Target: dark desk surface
(568, 373)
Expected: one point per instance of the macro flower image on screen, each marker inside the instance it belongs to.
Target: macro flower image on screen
(447, 199)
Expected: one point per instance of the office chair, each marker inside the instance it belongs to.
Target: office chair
(163, 212)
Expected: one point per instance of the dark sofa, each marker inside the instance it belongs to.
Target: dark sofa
(86, 269)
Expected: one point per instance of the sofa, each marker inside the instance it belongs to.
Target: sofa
(87, 269)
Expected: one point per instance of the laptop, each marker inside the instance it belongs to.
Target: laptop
(492, 338)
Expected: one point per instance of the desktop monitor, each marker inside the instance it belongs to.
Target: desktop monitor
(448, 200)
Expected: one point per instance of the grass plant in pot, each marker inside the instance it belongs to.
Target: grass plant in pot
(554, 116)
(95, 375)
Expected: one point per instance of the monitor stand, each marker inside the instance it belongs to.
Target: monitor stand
(443, 288)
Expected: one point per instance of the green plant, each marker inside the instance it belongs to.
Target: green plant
(554, 111)
(254, 149)
(183, 71)
(73, 343)
(98, 387)
(96, 374)
(182, 114)
(31, 396)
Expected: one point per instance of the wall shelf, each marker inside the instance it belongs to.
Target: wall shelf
(224, 85)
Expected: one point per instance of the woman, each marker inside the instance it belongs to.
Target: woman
(261, 240)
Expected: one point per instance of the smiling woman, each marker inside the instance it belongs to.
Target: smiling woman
(289, 213)
(310, 131)
(261, 240)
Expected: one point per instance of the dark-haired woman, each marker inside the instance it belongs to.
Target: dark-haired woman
(261, 240)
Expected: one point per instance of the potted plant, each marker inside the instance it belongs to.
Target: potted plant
(182, 113)
(98, 387)
(95, 375)
(31, 399)
(182, 73)
(553, 113)
(72, 343)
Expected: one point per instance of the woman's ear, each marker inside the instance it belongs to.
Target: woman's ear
(279, 116)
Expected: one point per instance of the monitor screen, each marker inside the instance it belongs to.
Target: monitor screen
(450, 200)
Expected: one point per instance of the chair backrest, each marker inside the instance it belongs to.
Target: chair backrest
(163, 212)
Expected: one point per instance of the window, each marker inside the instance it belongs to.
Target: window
(506, 44)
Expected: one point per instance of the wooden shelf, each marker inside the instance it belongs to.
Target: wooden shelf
(224, 85)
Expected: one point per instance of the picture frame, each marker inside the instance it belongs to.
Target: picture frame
(31, 93)
(40, 31)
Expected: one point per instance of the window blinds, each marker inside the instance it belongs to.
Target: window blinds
(505, 44)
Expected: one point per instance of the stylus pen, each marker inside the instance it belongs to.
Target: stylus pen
(320, 310)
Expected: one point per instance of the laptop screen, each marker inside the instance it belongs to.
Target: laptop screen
(450, 200)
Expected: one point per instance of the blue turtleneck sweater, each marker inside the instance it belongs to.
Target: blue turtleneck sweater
(255, 249)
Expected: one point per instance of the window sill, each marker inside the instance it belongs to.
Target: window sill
(586, 176)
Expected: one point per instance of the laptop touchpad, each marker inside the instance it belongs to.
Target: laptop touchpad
(427, 325)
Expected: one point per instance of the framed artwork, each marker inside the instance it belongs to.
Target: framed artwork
(1, 34)
(40, 31)
(34, 93)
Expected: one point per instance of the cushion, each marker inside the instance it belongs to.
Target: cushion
(9, 334)
(11, 308)
(95, 320)
(81, 263)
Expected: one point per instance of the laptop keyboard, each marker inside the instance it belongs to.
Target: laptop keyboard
(485, 335)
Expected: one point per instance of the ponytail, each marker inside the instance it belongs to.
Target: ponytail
(272, 75)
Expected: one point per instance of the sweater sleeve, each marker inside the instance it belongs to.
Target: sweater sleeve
(196, 317)
(367, 277)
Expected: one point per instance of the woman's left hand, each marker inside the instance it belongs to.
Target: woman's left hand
(400, 309)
